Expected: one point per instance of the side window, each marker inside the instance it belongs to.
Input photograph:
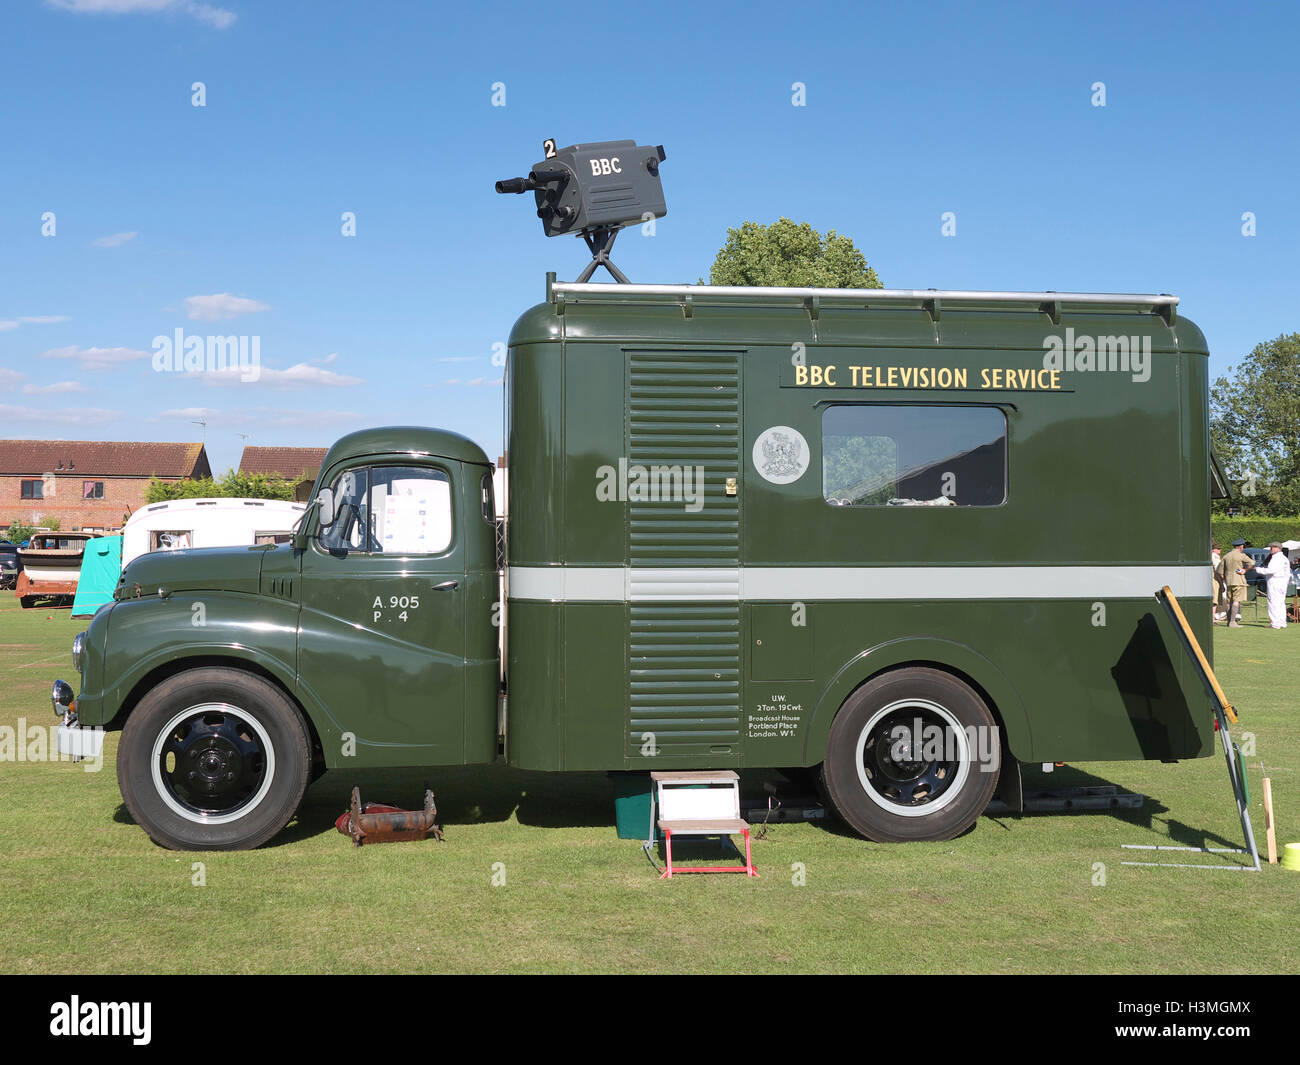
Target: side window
(350, 513)
(404, 510)
(877, 455)
(412, 510)
(170, 539)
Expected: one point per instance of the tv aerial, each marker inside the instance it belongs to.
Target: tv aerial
(593, 191)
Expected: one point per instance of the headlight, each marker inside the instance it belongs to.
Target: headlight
(61, 698)
(78, 643)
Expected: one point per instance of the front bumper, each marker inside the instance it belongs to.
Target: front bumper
(80, 742)
(72, 739)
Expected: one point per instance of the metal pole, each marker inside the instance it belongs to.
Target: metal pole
(865, 295)
(1238, 786)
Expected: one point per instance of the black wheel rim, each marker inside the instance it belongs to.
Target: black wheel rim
(212, 762)
(908, 757)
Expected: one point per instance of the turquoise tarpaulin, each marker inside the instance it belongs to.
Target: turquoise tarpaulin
(101, 566)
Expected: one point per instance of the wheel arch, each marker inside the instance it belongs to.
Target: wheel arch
(956, 659)
(155, 675)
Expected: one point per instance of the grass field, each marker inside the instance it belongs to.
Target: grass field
(82, 889)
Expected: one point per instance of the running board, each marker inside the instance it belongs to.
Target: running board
(1058, 800)
(788, 808)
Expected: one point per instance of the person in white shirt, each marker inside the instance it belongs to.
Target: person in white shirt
(1277, 570)
(1219, 608)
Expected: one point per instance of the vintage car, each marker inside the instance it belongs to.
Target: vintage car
(51, 566)
(10, 564)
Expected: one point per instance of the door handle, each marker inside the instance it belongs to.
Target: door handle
(446, 586)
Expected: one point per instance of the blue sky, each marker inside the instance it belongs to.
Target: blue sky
(226, 219)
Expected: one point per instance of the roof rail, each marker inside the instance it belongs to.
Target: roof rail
(812, 299)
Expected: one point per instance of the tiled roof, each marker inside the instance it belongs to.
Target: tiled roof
(289, 462)
(103, 458)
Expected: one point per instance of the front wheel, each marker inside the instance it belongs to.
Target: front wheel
(213, 759)
(912, 755)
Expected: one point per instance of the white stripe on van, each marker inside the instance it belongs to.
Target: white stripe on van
(568, 584)
(617, 584)
(691, 585)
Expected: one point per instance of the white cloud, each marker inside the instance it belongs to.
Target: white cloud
(8, 325)
(474, 382)
(111, 7)
(217, 17)
(11, 378)
(293, 418)
(57, 388)
(261, 417)
(191, 412)
(220, 305)
(64, 416)
(301, 375)
(96, 358)
(115, 240)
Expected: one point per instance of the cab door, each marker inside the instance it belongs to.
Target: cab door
(382, 626)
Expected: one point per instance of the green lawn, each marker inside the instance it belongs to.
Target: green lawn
(84, 890)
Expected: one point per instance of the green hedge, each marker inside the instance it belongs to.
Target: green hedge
(1259, 531)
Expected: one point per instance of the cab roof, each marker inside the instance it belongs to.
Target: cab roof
(415, 440)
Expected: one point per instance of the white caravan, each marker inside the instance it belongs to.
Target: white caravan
(222, 522)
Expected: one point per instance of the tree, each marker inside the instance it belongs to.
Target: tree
(238, 485)
(861, 470)
(790, 253)
(19, 531)
(256, 486)
(1255, 426)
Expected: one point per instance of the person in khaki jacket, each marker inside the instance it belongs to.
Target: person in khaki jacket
(1232, 571)
(1219, 608)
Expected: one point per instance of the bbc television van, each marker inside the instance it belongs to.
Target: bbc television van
(746, 528)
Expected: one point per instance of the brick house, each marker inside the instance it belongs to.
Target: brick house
(297, 464)
(89, 485)
(291, 463)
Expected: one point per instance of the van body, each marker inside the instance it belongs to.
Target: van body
(1074, 495)
(745, 528)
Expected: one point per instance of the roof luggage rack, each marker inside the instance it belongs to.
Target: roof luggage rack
(930, 300)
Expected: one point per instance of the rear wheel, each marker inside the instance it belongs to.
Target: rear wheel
(912, 755)
(27, 601)
(213, 759)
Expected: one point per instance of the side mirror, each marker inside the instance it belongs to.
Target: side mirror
(325, 501)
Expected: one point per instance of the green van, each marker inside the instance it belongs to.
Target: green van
(902, 540)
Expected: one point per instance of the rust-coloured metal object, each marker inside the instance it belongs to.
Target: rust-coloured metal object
(376, 823)
(25, 587)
